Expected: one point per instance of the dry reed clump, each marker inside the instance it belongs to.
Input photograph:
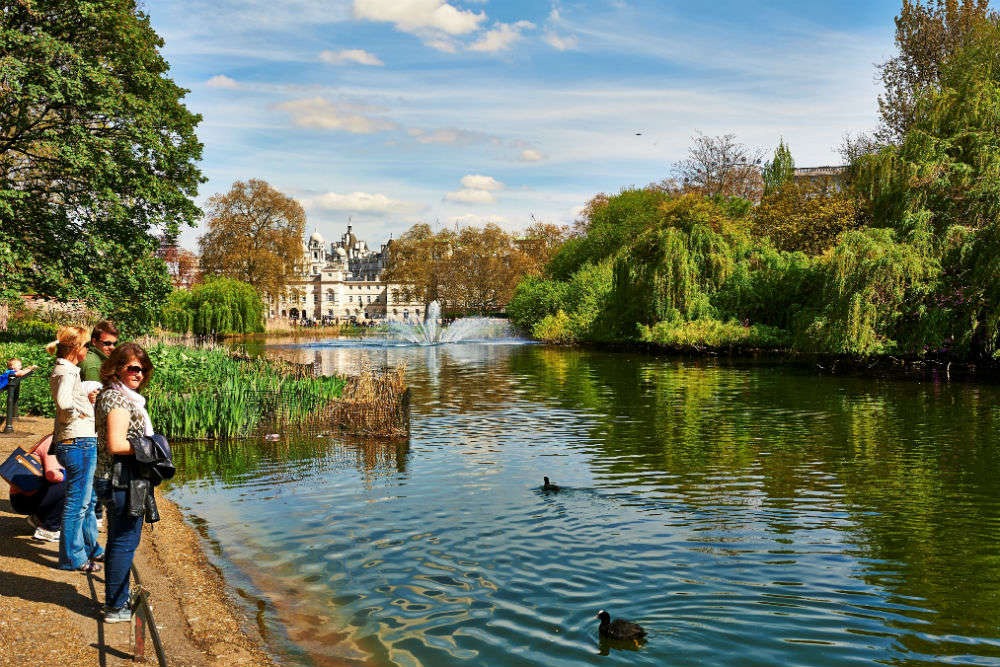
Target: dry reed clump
(374, 403)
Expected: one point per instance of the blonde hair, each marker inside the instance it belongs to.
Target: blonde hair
(67, 340)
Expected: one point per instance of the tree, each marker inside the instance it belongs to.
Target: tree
(779, 170)
(217, 306)
(182, 264)
(254, 235)
(721, 166)
(417, 262)
(807, 216)
(97, 150)
(926, 35)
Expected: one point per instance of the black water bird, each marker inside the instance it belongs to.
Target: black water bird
(619, 628)
(549, 486)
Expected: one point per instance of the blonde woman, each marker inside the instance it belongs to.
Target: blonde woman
(75, 446)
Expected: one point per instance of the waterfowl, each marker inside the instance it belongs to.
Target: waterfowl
(619, 628)
(548, 486)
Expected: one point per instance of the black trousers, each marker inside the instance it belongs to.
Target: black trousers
(46, 504)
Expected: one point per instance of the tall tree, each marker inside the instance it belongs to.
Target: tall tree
(927, 33)
(418, 261)
(721, 166)
(254, 235)
(779, 170)
(97, 150)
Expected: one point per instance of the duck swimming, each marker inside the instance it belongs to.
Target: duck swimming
(619, 628)
(548, 486)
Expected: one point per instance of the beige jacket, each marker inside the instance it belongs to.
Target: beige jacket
(74, 411)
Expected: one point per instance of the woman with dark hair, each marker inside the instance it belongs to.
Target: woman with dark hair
(75, 446)
(121, 417)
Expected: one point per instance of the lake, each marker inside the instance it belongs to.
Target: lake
(751, 515)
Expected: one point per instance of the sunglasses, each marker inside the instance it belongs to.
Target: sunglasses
(135, 369)
(107, 343)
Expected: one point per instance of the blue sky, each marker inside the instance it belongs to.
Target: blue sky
(392, 112)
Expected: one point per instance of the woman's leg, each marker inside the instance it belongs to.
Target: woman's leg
(72, 455)
(124, 533)
(90, 534)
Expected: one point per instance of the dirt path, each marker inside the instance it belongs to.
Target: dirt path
(50, 616)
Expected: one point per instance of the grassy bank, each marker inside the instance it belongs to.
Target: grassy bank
(201, 393)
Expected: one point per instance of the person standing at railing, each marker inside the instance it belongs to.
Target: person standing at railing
(75, 446)
(121, 418)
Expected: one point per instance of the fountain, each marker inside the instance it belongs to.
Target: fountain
(430, 331)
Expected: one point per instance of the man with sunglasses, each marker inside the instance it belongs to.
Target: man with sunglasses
(103, 339)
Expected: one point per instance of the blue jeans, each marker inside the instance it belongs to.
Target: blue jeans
(124, 533)
(78, 540)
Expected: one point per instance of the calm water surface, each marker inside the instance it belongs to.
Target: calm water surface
(751, 516)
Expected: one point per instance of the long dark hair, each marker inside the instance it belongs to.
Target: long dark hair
(120, 358)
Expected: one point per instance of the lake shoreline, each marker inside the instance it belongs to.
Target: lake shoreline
(198, 620)
(880, 367)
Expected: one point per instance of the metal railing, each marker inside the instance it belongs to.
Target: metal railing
(143, 620)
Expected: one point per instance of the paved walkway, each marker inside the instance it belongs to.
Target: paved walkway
(51, 617)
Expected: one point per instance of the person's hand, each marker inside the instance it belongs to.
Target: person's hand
(92, 396)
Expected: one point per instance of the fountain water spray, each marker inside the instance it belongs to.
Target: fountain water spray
(430, 331)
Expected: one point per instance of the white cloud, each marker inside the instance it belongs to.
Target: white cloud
(502, 37)
(471, 196)
(222, 81)
(480, 182)
(447, 135)
(359, 56)
(358, 202)
(321, 114)
(474, 220)
(418, 16)
(559, 42)
(531, 155)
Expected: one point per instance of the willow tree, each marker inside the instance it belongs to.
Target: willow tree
(940, 187)
(254, 235)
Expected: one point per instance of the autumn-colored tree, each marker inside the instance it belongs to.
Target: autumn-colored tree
(805, 215)
(254, 235)
(183, 265)
(927, 33)
(416, 262)
(474, 270)
(721, 166)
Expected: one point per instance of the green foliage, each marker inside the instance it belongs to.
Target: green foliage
(871, 283)
(99, 156)
(769, 285)
(713, 333)
(36, 397)
(219, 306)
(556, 328)
(28, 330)
(208, 394)
(779, 170)
(535, 298)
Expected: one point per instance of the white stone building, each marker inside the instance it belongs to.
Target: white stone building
(342, 282)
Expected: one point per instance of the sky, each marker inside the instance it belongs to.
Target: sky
(464, 112)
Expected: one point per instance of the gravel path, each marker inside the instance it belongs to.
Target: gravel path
(51, 617)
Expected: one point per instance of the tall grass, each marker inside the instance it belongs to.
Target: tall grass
(203, 393)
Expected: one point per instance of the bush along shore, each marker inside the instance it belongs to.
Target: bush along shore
(202, 393)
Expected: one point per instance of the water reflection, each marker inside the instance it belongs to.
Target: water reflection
(743, 515)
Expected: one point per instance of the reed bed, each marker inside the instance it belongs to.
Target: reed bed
(199, 394)
(375, 403)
